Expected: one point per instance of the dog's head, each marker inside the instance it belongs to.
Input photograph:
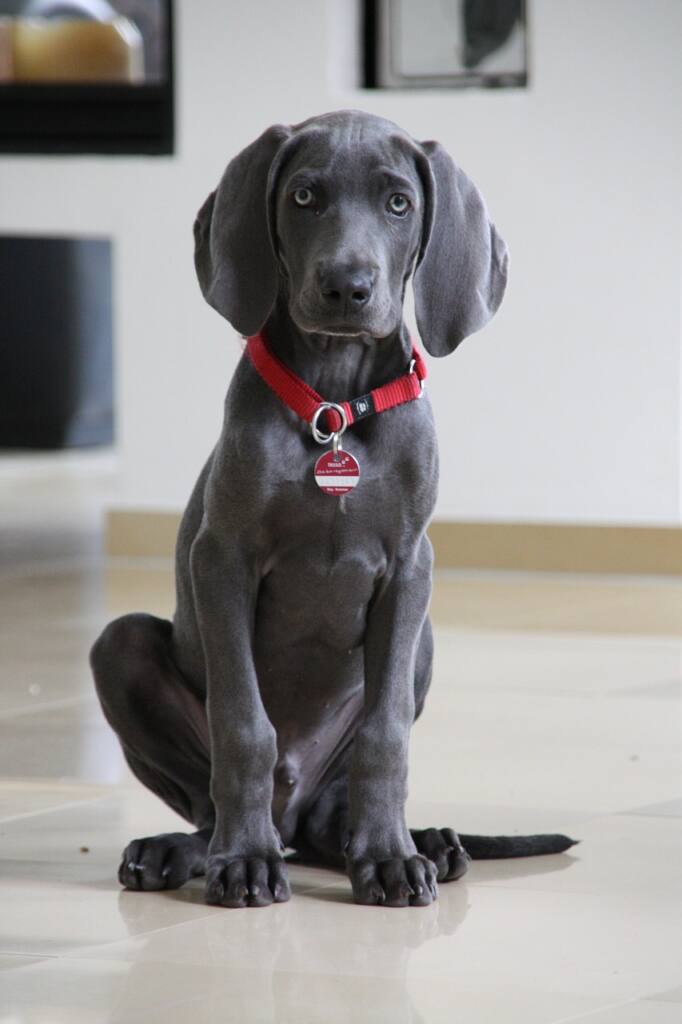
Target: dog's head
(340, 211)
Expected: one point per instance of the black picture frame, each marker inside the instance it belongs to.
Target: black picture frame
(380, 65)
(77, 119)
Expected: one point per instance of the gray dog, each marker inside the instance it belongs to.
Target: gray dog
(275, 710)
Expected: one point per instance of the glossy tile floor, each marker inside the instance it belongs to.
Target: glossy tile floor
(555, 706)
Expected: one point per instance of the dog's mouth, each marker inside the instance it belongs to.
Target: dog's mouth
(338, 330)
(344, 324)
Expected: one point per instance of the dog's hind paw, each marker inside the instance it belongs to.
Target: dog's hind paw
(443, 847)
(165, 861)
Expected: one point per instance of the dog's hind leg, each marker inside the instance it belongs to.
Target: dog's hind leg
(322, 833)
(161, 725)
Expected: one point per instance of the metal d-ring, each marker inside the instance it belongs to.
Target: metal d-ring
(411, 369)
(326, 438)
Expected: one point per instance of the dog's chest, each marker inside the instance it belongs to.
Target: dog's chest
(323, 559)
(317, 581)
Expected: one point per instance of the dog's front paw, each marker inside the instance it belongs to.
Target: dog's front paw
(246, 881)
(443, 847)
(397, 882)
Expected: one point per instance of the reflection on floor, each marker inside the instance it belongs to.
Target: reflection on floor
(555, 706)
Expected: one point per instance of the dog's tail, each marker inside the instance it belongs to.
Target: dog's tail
(494, 847)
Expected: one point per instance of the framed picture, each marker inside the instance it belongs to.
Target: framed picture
(86, 76)
(445, 44)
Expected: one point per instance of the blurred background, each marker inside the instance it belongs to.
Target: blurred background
(566, 410)
(558, 528)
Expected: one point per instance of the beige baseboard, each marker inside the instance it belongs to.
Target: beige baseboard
(140, 534)
(551, 547)
(512, 546)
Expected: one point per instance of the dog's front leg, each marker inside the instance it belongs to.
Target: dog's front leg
(383, 862)
(245, 866)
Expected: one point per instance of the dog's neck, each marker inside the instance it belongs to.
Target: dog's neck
(338, 367)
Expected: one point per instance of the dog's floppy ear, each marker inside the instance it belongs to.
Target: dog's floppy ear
(233, 253)
(461, 273)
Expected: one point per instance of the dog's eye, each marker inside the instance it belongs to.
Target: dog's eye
(303, 196)
(399, 204)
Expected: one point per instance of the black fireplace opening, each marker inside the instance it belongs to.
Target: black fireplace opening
(56, 343)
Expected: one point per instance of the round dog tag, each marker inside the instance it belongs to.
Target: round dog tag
(337, 473)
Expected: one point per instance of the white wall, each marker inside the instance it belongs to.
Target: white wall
(567, 408)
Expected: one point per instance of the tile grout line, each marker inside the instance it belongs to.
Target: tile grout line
(29, 956)
(22, 571)
(599, 1009)
(58, 807)
(48, 705)
(77, 954)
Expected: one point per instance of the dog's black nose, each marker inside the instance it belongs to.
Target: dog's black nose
(346, 288)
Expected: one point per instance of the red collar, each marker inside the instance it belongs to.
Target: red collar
(305, 402)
